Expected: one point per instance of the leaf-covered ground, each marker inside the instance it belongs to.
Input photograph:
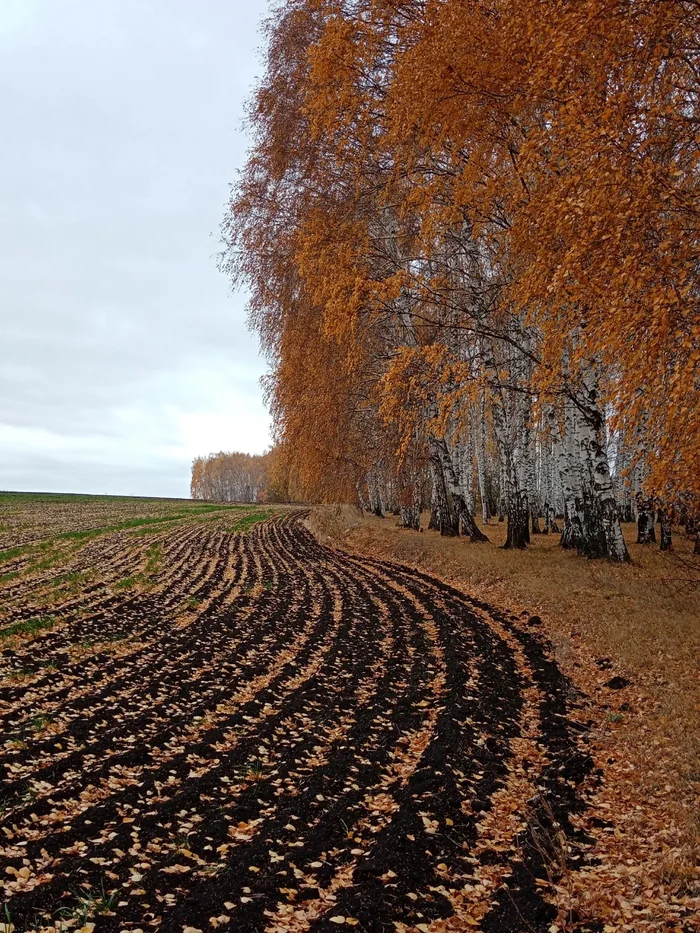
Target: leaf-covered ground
(224, 724)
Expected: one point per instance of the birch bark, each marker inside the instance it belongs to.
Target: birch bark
(364, 504)
(441, 453)
(480, 445)
(666, 522)
(567, 468)
(443, 518)
(601, 508)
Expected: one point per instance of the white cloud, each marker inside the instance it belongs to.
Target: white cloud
(122, 354)
(14, 14)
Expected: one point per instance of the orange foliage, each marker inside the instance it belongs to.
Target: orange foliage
(447, 198)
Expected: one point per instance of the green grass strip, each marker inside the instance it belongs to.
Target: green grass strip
(247, 521)
(28, 627)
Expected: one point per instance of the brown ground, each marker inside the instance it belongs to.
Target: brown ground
(641, 622)
(216, 722)
(210, 720)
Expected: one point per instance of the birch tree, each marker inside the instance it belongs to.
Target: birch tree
(470, 239)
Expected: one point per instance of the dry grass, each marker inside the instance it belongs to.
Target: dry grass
(644, 616)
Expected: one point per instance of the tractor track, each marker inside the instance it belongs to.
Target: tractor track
(278, 735)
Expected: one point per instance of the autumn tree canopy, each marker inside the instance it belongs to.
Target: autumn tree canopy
(470, 233)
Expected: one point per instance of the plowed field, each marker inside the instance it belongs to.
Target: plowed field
(242, 729)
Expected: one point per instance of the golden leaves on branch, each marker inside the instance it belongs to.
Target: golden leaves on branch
(545, 154)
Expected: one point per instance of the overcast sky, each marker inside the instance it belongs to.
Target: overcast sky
(123, 353)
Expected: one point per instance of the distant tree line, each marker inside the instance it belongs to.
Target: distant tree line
(238, 477)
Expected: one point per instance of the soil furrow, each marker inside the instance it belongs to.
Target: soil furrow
(270, 735)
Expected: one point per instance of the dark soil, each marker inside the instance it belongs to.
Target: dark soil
(320, 737)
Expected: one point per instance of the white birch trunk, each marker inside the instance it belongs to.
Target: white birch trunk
(480, 445)
(591, 429)
(442, 453)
